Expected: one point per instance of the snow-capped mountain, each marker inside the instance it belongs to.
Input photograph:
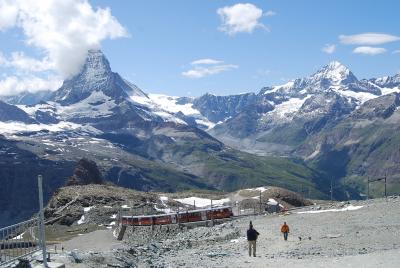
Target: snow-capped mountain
(260, 122)
(332, 77)
(28, 98)
(11, 113)
(388, 84)
(95, 76)
(99, 97)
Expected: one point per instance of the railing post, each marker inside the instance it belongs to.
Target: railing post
(385, 187)
(41, 221)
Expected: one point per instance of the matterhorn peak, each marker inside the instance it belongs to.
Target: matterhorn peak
(96, 65)
(95, 77)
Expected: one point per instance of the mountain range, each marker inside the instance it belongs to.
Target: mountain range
(301, 135)
(100, 116)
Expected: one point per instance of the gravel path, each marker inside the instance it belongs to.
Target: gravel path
(100, 240)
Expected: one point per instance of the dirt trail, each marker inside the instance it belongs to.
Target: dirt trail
(100, 240)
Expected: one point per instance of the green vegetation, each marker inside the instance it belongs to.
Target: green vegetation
(293, 135)
(231, 170)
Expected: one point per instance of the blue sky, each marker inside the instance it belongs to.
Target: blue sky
(162, 39)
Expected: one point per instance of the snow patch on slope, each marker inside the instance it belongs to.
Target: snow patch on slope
(348, 208)
(360, 96)
(169, 103)
(167, 106)
(156, 109)
(288, 108)
(285, 87)
(202, 202)
(97, 105)
(16, 127)
(258, 189)
(81, 220)
(386, 90)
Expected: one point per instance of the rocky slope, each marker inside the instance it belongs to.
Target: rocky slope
(95, 204)
(364, 144)
(350, 234)
(86, 172)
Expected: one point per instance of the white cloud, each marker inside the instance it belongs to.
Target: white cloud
(369, 50)
(8, 15)
(63, 30)
(270, 13)
(21, 62)
(329, 48)
(397, 51)
(205, 61)
(3, 60)
(13, 85)
(240, 18)
(205, 67)
(368, 39)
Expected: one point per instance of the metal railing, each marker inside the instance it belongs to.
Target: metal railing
(18, 241)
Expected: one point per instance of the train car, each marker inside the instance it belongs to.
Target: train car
(219, 213)
(137, 220)
(181, 217)
(164, 219)
(191, 216)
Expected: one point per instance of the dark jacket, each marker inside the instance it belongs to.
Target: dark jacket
(252, 235)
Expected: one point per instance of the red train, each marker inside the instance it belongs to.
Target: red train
(181, 217)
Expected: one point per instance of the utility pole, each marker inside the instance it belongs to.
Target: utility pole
(385, 186)
(367, 188)
(212, 214)
(331, 189)
(41, 221)
(260, 203)
(178, 219)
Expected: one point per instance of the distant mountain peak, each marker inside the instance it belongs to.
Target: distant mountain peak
(96, 75)
(336, 64)
(335, 73)
(96, 65)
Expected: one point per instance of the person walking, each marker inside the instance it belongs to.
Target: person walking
(285, 231)
(252, 236)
